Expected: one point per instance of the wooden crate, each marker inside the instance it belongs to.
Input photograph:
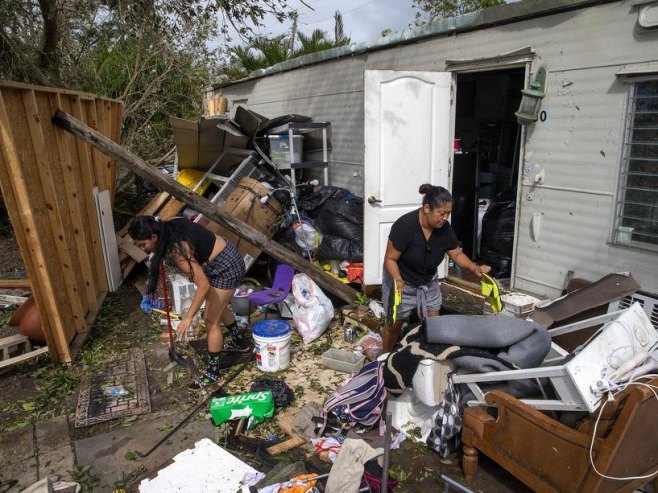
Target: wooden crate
(244, 204)
(47, 177)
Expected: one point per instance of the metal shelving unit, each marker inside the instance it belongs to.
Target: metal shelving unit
(299, 129)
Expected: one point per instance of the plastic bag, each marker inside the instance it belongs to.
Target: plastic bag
(372, 345)
(312, 310)
(306, 236)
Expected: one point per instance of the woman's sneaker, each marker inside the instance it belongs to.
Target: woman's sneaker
(206, 378)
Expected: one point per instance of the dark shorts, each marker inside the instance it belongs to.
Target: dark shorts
(227, 269)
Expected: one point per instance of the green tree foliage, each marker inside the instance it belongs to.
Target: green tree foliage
(151, 54)
(430, 10)
(264, 52)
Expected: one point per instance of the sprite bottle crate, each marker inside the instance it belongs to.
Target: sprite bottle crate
(253, 405)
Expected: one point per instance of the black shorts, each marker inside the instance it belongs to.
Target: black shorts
(227, 269)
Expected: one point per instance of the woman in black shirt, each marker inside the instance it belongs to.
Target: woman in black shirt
(417, 244)
(210, 261)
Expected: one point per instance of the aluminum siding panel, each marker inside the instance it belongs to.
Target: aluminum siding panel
(578, 146)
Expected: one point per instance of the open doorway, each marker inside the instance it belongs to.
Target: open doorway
(486, 165)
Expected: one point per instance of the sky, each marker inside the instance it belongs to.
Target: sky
(363, 20)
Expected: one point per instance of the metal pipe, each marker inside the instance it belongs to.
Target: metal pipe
(387, 450)
(454, 483)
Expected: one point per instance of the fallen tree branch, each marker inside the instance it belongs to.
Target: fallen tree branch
(201, 204)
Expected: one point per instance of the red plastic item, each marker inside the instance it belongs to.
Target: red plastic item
(355, 272)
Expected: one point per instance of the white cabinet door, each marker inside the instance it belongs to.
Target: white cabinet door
(407, 143)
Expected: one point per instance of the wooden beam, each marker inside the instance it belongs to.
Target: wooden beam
(201, 204)
(15, 283)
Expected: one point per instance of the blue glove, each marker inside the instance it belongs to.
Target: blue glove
(149, 302)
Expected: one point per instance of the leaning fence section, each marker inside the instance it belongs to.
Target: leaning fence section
(48, 179)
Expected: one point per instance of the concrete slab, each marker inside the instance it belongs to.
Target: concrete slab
(24, 471)
(57, 462)
(52, 434)
(17, 445)
(112, 455)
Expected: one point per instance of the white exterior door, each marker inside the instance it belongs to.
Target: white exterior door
(407, 143)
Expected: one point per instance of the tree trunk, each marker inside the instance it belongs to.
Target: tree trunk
(49, 57)
(201, 204)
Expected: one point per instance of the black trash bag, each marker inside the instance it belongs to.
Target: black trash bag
(342, 217)
(501, 264)
(282, 394)
(337, 248)
(309, 200)
(498, 234)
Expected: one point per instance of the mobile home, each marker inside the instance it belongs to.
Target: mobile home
(440, 104)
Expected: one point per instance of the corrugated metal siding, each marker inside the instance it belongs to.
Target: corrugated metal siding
(578, 146)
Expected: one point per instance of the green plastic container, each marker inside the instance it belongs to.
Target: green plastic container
(256, 406)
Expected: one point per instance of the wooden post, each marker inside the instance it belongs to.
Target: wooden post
(201, 204)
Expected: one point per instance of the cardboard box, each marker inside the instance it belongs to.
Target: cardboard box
(199, 143)
(244, 204)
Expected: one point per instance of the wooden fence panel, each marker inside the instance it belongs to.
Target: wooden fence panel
(46, 177)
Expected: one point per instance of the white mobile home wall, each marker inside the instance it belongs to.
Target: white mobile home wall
(579, 147)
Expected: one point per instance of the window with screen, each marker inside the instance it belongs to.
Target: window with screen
(637, 218)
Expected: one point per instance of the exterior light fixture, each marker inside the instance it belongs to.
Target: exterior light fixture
(531, 101)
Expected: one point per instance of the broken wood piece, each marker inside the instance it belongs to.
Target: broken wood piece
(8, 363)
(18, 300)
(7, 343)
(201, 204)
(291, 443)
(133, 251)
(15, 283)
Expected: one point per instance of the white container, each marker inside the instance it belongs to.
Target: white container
(408, 414)
(272, 344)
(280, 149)
(430, 381)
(183, 291)
(624, 235)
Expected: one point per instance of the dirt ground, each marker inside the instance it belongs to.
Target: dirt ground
(38, 391)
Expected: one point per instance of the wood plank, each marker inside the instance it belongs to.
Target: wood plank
(116, 116)
(461, 300)
(65, 294)
(64, 230)
(104, 117)
(72, 190)
(170, 208)
(7, 343)
(201, 204)
(18, 300)
(27, 215)
(97, 158)
(127, 246)
(291, 443)
(8, 363)
(88, 181)
(151, 208)
(15, 283)
(79, 161)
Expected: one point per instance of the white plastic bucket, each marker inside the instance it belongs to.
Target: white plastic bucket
(272, 344)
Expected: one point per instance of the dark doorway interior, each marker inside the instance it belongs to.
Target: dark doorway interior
(486, 159)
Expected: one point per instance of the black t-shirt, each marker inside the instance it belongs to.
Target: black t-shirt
(201, 239)
(420, 258)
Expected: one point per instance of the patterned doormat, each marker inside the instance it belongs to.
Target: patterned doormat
(121, 391)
